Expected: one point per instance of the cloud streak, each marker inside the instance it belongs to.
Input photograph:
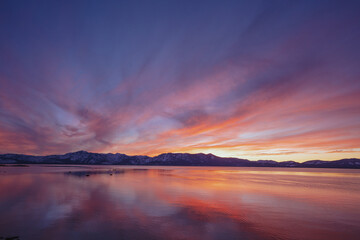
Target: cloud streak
(244, 78)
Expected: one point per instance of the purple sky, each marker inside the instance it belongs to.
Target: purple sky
(254, 79)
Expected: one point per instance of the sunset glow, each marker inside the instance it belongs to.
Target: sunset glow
(245, 79)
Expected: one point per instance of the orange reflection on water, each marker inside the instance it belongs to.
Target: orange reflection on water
(180, 203)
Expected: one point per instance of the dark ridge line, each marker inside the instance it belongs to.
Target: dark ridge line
(168, 159)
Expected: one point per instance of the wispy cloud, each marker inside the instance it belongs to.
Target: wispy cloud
(242, 78)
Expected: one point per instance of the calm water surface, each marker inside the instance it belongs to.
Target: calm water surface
(117, 202)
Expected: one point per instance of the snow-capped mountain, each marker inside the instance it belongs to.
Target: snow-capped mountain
(167, 159)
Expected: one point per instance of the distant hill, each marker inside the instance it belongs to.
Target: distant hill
(168, 159)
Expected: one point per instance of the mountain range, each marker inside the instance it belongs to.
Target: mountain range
(168, 159)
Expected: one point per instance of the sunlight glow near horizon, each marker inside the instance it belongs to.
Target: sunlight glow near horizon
(245, 79)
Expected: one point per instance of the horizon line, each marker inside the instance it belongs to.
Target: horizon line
(46, 155)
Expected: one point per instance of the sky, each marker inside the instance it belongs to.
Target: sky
(250, 79)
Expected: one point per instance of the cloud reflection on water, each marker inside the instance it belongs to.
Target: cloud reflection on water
(180, 203)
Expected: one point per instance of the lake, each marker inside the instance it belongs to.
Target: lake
(127, 202)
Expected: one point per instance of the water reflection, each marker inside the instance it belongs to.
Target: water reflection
(112, 171)
(179, 203)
